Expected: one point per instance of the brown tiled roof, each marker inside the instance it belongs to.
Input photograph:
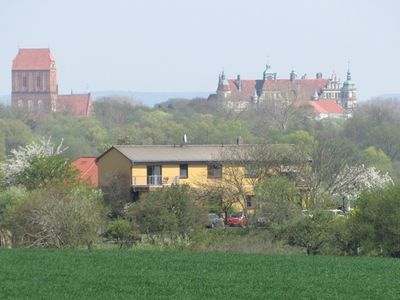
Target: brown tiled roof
(325, 106)
(88, 169)
(182, 153)
(303, 88)
(33, 59)
(76, 104)
(246, 89)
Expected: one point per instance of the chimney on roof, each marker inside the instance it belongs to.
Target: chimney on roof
(315, 96)
(318, 75)
(293, 75)
(238, 82)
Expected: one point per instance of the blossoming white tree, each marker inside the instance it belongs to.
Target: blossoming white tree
(352, 181)
(21, 158)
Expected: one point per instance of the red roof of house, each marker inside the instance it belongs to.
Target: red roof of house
(325, 106)
(304, 89)
(33, 59)
(76, 104)
(87, 169)
(246, 89)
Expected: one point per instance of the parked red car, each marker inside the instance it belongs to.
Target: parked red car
(238, 219)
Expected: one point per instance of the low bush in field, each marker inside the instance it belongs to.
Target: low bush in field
(168, 213)
(240, 240)
(375, 222)
(121, 232)
(57, 217)
(323, 233)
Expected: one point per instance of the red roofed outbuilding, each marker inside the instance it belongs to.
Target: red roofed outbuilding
(88, 170)
(326, 109)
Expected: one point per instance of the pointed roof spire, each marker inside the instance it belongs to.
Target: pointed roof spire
(333, 77)
(268, 74)
(348, 71)
(293, 74)
(348, 75)
(223, 83)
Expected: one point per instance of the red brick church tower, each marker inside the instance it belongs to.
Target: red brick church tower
(34, 81)
(35, 88)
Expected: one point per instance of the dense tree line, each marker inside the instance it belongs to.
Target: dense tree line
(371, 134)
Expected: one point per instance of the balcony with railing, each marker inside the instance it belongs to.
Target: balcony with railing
(154, 181)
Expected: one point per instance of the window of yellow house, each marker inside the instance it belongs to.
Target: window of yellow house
(183, 171)
(251, 171)
(249, 201)
(214, 170)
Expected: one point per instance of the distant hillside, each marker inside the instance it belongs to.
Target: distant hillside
(146, 98)
(149, 98)
(390, 96)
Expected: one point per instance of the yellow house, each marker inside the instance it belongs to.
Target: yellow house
(141, 168)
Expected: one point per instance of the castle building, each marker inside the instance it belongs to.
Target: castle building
(331, 94)
(35, 88)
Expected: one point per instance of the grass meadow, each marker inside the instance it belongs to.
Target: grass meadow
(127, 274)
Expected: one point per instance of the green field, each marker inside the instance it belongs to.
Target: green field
(106, 274)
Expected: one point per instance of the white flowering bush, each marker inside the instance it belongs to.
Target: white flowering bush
(354, 180)
(20, 158)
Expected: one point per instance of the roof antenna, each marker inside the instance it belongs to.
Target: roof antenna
(184, 140)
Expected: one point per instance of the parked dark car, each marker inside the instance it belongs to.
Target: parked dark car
(215, 221)
(238, 219)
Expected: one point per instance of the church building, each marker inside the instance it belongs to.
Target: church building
(327, 95)
(35, 87)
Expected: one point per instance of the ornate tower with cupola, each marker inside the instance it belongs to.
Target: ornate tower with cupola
(268, 74)
(223, 90)
(348, 95)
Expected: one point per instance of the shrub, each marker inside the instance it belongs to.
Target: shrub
(56, 217)
(168, 212)
(277, 200)
(46, 171)
(375, 222)
(122, 232)
(323, 233)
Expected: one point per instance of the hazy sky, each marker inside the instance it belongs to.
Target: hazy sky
(178, 45)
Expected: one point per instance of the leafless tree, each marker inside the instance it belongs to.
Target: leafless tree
(243, 168)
